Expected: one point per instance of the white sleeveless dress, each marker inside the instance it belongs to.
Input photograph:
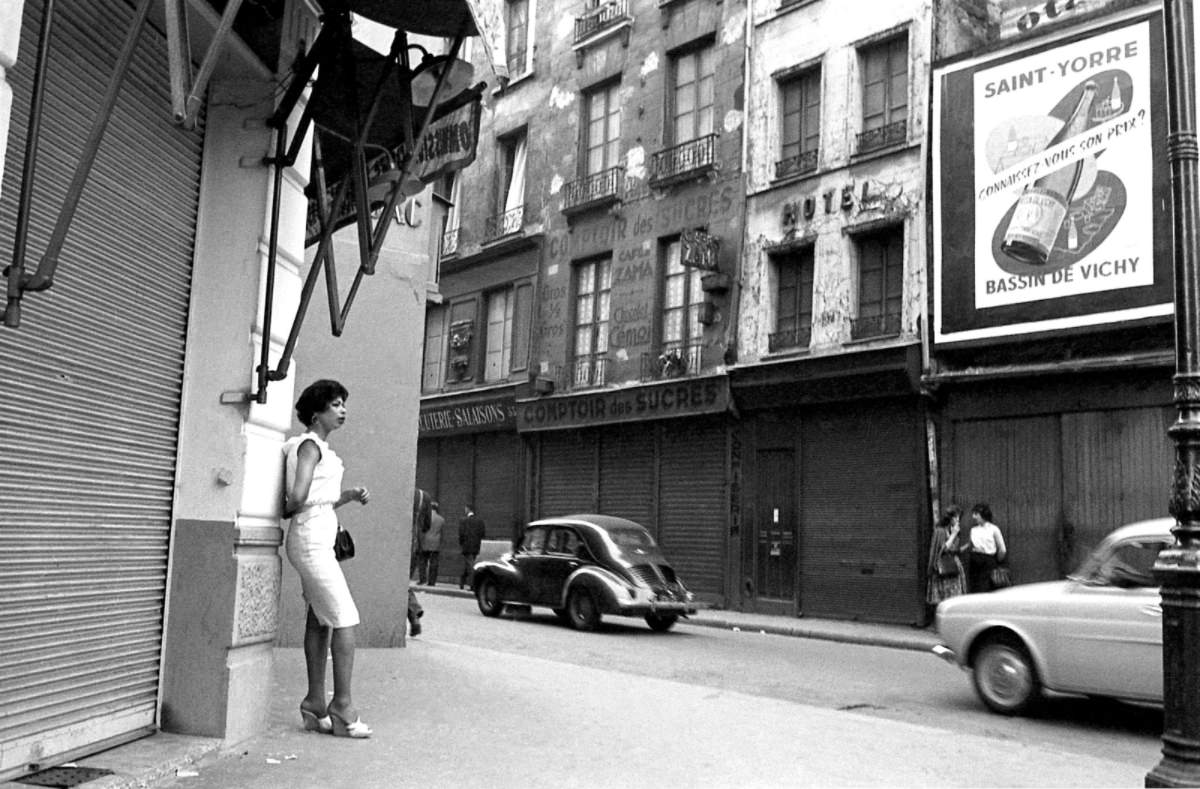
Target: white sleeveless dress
(309, 542)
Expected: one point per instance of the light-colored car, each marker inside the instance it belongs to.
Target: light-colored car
(1098, 633)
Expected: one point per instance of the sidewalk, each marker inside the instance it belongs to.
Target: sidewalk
(895, 636)
(418, 696)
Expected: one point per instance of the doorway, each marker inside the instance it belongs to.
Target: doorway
(775, 526)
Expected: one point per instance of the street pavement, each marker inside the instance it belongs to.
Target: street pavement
(452, 715)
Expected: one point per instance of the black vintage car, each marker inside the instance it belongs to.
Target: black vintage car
(582, 567)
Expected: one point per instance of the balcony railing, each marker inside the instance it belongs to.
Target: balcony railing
(449, 243)
(601, 17)
(886, 325)
(800, 337)
(800, 164)
(505, 224)
(891, 134)
(672, 361)
(584, 372)
(686, 160)
(603, 188)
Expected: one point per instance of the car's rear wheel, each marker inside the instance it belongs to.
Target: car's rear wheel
(1005, 677)
(487, 594)
(582, 611)
(661, 623)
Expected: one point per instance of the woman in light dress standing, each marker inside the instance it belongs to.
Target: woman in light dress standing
(313, 490)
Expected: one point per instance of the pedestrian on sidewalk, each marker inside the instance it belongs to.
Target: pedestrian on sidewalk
(431, 547)
(947, 577)
(988, 551)
(415, 612)
(470, 538)
(312, 491)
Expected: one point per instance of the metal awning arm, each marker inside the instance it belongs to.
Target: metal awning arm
(19, 281)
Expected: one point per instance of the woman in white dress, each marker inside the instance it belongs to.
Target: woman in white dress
(313, 490)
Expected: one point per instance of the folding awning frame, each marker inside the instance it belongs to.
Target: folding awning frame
(333, 41)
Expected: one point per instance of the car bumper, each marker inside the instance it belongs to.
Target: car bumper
(945, 653)
(641, 608)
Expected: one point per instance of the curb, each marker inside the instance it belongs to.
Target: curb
(922, 641)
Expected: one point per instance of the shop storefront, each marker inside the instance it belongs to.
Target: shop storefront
(834, 507)
(468, 452)
(657, 454)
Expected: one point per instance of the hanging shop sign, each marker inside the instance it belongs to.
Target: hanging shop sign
(693, 397)
(1055, 225)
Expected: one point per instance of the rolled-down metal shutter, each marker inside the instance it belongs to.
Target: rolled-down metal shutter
(566, 472)
(693, 502)
(862, 484)
(498, 482)
(91, 384)
(627, 473)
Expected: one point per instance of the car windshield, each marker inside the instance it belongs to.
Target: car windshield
(632, 538)
(1127, 564)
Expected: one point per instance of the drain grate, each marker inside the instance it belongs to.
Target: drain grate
(64, 776)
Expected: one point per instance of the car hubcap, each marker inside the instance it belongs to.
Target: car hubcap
(1007, 677)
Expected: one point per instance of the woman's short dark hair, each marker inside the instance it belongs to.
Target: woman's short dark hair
(316, 397)
(984, 511)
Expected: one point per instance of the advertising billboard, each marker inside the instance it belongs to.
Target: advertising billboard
(1051, 184)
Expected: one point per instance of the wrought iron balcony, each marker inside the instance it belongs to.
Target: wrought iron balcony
(601, 17)
(886, 325)
(449, 243)
(673, 360)
(686, 160)
(584, 372)
(805, 162)
(800, 337)
(593, 191)
(891, 134)
(505, 224)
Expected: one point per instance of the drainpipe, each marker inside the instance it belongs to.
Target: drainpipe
(735, 290)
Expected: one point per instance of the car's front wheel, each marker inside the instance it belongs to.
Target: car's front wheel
(1005, 677)
(487, 594)
(661, 623)
(582, 611)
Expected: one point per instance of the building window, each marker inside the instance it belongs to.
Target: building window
(510, 187)
(880, 284)
(593, 289)
(885, 94)
(516, 44)
(682, 301)
(522, 326)
(497, 359)
(434, 365)
(602, 133)
(449, 188)
(692, 95)
(801, 117)
(793, 300)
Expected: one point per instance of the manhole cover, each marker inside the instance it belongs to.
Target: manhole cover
(64, 776)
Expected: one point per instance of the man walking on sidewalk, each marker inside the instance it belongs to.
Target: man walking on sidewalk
(470, 537)
(431, 546)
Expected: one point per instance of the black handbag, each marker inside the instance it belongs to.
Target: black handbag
(343, 545)
(946, 566)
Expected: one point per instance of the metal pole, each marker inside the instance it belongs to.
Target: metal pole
(1177, 569)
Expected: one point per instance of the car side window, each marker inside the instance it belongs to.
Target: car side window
(534, 541)
(563, 541)
(1131, 563)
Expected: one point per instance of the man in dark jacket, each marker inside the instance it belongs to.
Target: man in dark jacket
(470, 536)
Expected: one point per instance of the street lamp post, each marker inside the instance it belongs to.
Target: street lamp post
(1177, 569)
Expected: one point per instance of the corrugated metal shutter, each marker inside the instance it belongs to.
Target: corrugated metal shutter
(566, 472)
(627, 473)
(498, 474)
(92, 390)
(1015, 465)
(862, 484)
(455, 487)
(1116, 469)
(693, 502)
